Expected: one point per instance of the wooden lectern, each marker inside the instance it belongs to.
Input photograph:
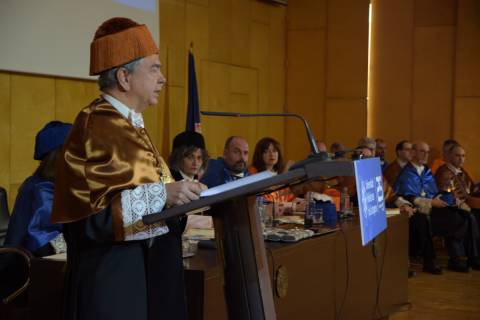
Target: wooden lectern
(247, 284)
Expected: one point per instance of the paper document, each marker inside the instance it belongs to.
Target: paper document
(237, 183)
(57, 257)
(392, 211)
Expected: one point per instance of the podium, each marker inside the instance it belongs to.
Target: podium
(241, 249)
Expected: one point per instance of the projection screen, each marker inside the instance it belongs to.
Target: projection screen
(52, 37)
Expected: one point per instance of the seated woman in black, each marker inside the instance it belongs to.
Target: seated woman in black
(188, 161)
(189, 157)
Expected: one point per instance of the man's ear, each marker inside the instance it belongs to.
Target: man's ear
(123, 78)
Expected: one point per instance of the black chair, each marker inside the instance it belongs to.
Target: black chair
(15, 266)
(4, 215)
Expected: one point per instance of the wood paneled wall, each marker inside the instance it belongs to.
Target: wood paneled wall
(466, 103)
(424, 77)
(239, 48)
(27, 103)
(327, 67)
(425, 82)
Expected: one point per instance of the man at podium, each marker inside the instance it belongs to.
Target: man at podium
(109, 176)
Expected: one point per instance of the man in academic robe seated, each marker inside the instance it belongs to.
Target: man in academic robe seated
(380, 149)
(403, 149)
(438, 162)
(417, 185)
(30, 227)
(457, 186)
(109, 176)
(230, 167)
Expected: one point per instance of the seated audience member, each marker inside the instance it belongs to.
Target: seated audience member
(447, 144)
(369, 143)
(189, 156)
(464, 187)
(403, 149)
(380, 149)
(230, 167)
(30, 225)
(391, 198)
(416, 184)
(321, 146)
(363, 152)
(268, 156)
(338, 150)
(457, 186)
(188, 159)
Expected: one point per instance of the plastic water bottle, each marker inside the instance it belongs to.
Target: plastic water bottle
(260, 208)
(309, 211)
(345, 202)
(264, 211)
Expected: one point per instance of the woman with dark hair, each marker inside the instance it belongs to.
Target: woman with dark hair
(268, 156)
(189, 157)
(30, 225)
(188, 161)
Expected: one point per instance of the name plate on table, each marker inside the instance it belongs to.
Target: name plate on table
(371, 201)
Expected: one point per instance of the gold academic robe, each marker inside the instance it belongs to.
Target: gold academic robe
(103, 155)
(108, 278)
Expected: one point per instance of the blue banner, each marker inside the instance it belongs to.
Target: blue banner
(371, 201)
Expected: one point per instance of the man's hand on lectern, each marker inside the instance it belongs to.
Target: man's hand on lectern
(182, 192)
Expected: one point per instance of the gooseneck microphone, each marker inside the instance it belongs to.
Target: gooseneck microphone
(315, 156)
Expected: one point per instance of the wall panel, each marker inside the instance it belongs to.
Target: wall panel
(307, 14)
(30, 111)
(468, 49)
(347, 121)
(260, 11)
(276, 76)
(305, 87)
(5, 126)
(391, 71)
(220, 30)
(432, 85)
(435, 13)
(241, 32)
(466, 113)
(237, 69)
(347, 48)
(71, 96)
(467, 118)
(197, 26)
(172, 35)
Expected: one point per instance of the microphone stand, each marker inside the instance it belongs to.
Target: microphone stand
(315, 156)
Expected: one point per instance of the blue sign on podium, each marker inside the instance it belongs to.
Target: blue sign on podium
(371, 201)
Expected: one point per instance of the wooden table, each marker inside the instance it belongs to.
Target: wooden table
(328, 277)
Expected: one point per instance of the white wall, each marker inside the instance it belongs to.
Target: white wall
(52, 37)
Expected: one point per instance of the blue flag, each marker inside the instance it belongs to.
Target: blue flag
(193, 108)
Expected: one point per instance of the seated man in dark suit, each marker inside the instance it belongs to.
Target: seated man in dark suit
(403, 149)
(230, 167)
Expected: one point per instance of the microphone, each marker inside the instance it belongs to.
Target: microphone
(315, 156)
